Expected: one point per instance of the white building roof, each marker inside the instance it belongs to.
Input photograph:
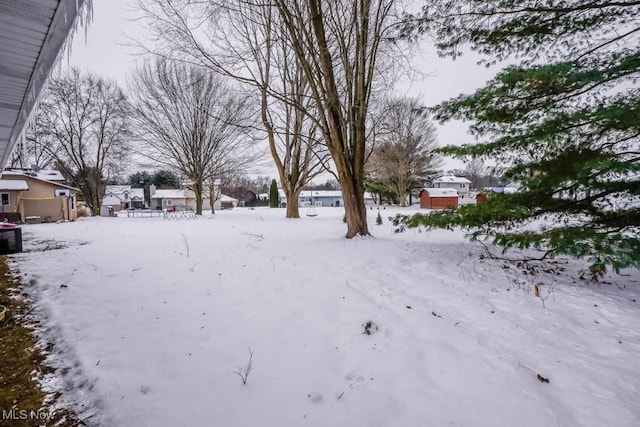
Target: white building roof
(137, 193)
(51, 175)
(225, 198)
(33, 176)
(452, 180)
(441, 192)
(13, 185)
(117, 189)
(173, 193)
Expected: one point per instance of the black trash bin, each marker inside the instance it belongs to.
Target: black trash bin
(10, 239)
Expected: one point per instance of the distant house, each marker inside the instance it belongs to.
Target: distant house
(43, 200)
(317, 198)
(225, 202)
(119, 197)
(177, 199)
(438, 198)
(458, 183)
(173, 198)
(324, 198)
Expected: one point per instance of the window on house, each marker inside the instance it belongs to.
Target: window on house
(167, 202)
(5, 199)
(126, 196)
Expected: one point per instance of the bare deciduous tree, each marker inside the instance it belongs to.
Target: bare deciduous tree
(35, 150)
(83, 125)
(189, 120)
(336, 47)
(404, 158)
(338, 44)
(244, 41)
(475, 171)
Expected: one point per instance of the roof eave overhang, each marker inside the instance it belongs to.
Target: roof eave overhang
(51, 45)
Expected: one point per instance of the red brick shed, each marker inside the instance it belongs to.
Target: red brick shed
(438, 198)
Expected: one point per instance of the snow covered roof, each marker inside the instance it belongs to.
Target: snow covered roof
(114, 194)
(173, 193)
(33, 176)
(441, 192)
(452, 179)
(13, 185)
(117, 189)
(137, 193)
(50, 175)
(43, 174)
(225, 198)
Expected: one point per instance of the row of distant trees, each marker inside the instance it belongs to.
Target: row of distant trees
(255, 72)
(176, 117)
(185, 120)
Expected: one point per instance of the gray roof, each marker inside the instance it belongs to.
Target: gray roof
(32, 35)
(452, 180)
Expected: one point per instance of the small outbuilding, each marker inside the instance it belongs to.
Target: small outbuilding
(438, 198)
(225, 202)
(481, 198)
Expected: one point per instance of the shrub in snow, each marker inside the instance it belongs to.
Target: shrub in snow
(369, 327)
(273, 194)
(243, 372)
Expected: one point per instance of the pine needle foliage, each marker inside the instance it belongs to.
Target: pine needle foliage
(563, 121)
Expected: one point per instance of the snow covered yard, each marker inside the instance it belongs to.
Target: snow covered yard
(150, 319)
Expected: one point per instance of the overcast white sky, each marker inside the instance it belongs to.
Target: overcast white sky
(104, 52)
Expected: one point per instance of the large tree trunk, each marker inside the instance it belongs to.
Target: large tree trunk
(349, 164)
(293, 210)
(353, 194)
(197, 190)
(212, 196)
(96, 202)
(355, 209)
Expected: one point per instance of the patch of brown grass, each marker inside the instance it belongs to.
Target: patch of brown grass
(21, 399)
